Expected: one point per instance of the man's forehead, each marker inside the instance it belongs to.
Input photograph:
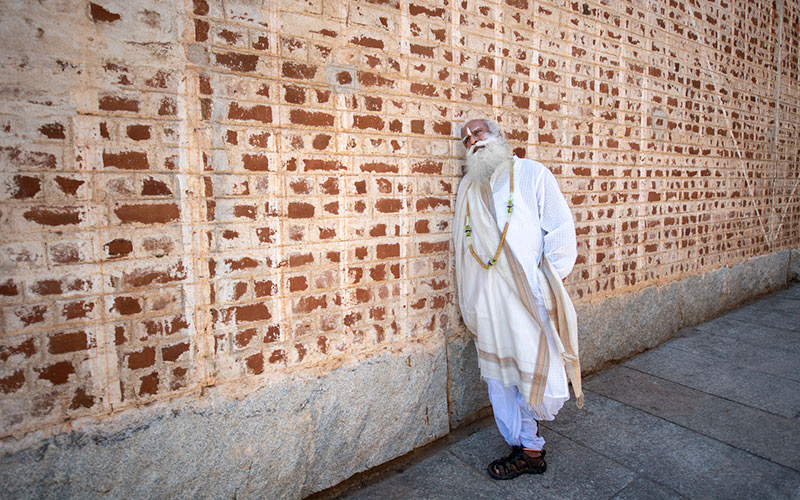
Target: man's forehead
(472, 125)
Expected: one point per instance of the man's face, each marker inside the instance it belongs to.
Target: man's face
(474, 131)
(486, 151)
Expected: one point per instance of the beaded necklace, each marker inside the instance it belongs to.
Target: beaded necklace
(468, 230)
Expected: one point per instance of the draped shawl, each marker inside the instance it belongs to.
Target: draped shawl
(515, 356)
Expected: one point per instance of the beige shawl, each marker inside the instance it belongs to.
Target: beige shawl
(529, 375)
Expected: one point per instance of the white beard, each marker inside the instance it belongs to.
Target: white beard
(489, 161)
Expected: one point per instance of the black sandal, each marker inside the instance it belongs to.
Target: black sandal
(517, 463)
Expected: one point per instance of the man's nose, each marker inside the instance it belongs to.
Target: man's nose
(473, 139)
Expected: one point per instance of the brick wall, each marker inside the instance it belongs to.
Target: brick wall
(213, 193)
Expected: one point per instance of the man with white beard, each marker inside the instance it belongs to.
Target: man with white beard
(514, 243)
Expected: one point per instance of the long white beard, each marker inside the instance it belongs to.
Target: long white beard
(489, 161)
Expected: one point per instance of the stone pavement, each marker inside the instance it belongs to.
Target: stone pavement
(714, 413)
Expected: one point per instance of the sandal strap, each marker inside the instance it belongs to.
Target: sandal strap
(516, 463)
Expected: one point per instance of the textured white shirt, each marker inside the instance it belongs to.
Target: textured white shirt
(541, 217)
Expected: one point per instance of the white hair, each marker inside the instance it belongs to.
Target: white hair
(494, 128)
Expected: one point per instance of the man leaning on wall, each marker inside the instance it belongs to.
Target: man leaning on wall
(514, 242)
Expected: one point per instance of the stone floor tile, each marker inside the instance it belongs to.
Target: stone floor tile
(748, 333)
(758, 314)
(721, 378)
(693, 465)
(641, 488)
(573, 471)
(791, 292)
(761, 433)
(440, 477)
(763, 357)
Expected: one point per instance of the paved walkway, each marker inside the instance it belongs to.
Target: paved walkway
(714, 413)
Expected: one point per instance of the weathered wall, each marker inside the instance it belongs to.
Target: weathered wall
(206, 206)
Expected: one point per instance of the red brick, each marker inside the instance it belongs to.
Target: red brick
(174, 352)
(259, 140)
(388, 250)
(56, 216)
(368, 122)
(200, 7)
(47, 287)
(81, 399)
(26, 186)
(298, 70)
(427, 167)
(118, 103)
(157, 213)
(118, 248)
(421, 50)
(61, 343)
(126, 160)
(300, 259)
(57, 373)
(309, 304)
(379, 167)
(13, 382)
(200, 30)
(419, 10)
(261, 43)
(78, 309)
(265, 288)
(245, 63)
(53, 131)
(325, 165)
(364, 41)
(255, 162)
(321, 141)
(153, 187)
(67, 185)
(255, 363)
(243, 263)
(362, 295)
(301, 210)
(249, 313)
(389, 205)
(230, 36)
(146, 276)
(432, 203)
(149, 384)
(9, 288)
(127, 305)
(309, 118)
(30, 315)
(424, 89)
(374, 80)
(277, 356)
(168, 107)
(441, 246)
(138, 132)
(101, 14)
(25, 160)
(257, 112)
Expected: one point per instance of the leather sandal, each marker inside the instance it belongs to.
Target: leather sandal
(515, 464)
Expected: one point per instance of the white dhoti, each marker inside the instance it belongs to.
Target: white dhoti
(516, 420)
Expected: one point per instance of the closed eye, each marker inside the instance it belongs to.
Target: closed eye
(477, 133)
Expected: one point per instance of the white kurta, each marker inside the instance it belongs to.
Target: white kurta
(541, 222)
